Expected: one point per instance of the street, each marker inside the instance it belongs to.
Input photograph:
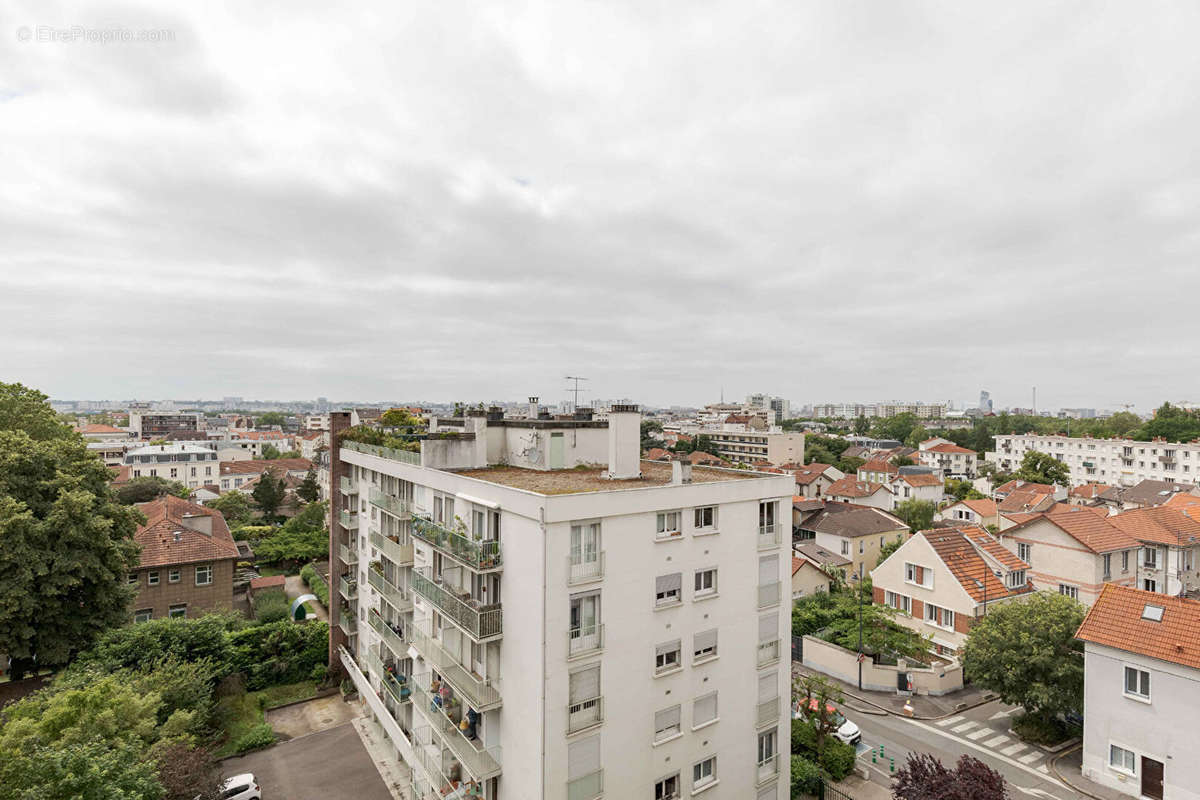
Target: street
(981, 732)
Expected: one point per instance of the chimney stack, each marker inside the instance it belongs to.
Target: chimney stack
(624, 442)
(533, 408)
(198, 522)
(681, 472)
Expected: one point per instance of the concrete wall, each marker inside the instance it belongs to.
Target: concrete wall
(843, 665)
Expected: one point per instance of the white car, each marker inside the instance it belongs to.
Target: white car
(241, 787)
(844, 729)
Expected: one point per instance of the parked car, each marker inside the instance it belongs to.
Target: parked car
(845, 730)
(241, 787)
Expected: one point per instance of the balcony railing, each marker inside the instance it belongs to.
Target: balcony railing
(768, 536)
(445, 715)
(349, 555)
(349, 587)
(390, 635)
(585, 714)
(586, 787)
(768, 770)
(580, 570)
(348, 623)
(479, 555)
(768, 652)
(398, 689)
(768, 595)
(478, 621)
(438, 761)
(401, 554)
(347, 486)
(389, 453)
(396, 506)
(349, 520)
(585, 639)
(768, 712)
(479, 691)
(393, 594)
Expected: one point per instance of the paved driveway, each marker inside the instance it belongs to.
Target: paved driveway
(331, 763)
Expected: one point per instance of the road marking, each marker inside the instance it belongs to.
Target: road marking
(950, 721)
(1035, 773)
(1032, 757)
(1016, 748)
(1042, 768)
(979, 734)
(998, 740)
(966, 726)
(1000, 714)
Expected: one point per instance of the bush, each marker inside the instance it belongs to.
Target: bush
(271, 606)
(838, 758)
(1040, 729)
(188, 640)
(806, 776)
(313, 580)
(319, 674)
(279, 652)
(256, 738)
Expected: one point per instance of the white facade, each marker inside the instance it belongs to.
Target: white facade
(743, 447)
(190, 465)
(588, 628)
(1119, 462)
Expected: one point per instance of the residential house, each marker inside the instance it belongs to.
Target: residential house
(1028, 499)
(1141, 693)
(804, 509)
(917, 486)
(943, 579)
(829, 561)
(1087, 494)
(188, 464)
(808, 577)
(1074, 552)
(813, 480)
(864, 493)
(236, 475)
(1170, 554)
(1145, 494)
(1002, 491)
(980, 511)
(94, 432)
(877, 471)
(855, 532)
(186, 563)
(948, 458)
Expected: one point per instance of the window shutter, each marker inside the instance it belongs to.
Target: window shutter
(704, 709)
(768, 686)
(668, 647)
(768, 627)
(583, 757)
(667, 583)
(585, 684)
(705, 640)
(667, 718)
(768, 570)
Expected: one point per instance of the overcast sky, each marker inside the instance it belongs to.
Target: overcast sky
(460, 201)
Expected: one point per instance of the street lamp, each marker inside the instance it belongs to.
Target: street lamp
(983, 585)
(857, 578)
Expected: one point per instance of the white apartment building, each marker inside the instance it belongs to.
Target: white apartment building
(529, 611)
(1118, 462)
(870, 410)
(190, 465)
(747, 446)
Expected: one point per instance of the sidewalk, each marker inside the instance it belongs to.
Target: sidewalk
(1068, 768)
(924, 706)
(293, 587)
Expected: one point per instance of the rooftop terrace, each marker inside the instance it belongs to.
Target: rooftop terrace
(587, 479)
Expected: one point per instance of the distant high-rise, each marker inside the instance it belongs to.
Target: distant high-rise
(985, 402)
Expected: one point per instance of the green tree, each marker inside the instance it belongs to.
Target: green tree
(309, 490)
(145, 489)
(269, 493)
(235, 507)
(889, 548)
(399, 418)
(917, 514)
(28, 410)
(704, 444)
(898, 427)
(850, 465)
(1043, 468)
(269, 419)
(962, 490)
(269, 453)
(816, 695)
(916, 436)
(902, 461)
(1027, 653)
(861, 426)
(651, 434)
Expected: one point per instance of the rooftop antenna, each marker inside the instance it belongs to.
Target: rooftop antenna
(576, 390)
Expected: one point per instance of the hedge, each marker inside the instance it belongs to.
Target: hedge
(835, 757)
(271, 606)
(258, 737)
(806, 777)
(313, 580)
(279, 652)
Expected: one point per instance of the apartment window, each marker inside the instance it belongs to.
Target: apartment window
(916, 574)
(941, 617)
(667, 788)
(584, 698)
(766, 748)
(667, 526)
(1125, 561)
(845, 547)
(585, 549)
(706, 517)
(137, 473)
(666, 656)
(143, 615)
(766, 517)
(1023, 551)
(1016, 579)
(584, 632)
(152, 578)
(706, 582)
(583, 761)
(204, 574)
(667, 589)
(704, 710)
(193, 472)
(704, 772)
(1070, 591)
(666, 723)
(899, 602)
(1106, 560)
(132, 579)
(704, 645)
(1121, 759)
(862, 546)
(178, 610)
(1150, 557)
(1149, 585)
(1137, 683)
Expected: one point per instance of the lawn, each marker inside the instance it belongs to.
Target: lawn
(238, 714)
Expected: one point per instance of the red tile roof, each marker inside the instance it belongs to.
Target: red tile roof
(1013, 485)
(1095, 532)
(876, 465)
(1182, 501)
(810, 472)
(949, 448)
(921, 479)
(1025, 499)
(267, 582)
(1090, 491)
(257, 467)
(701, 457)
(166, 541)
(965, 563)
(657, 454)
(94, 428)
(981, 506)
(1116, 620)
(851, 486)
(984, 541)
(1161, 525)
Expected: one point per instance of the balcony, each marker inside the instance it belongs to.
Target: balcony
(401, 554)
(768, 770)
(349, 587)
(390, 453)
(396, 506)
(585, 714)
(768, 536)
(480, 622)
(347, 486)
(396, 686)
(443, 768)
(392, 637)
(480, 692)
(585, 640)
(768, 652)
(768, 712)
(348, 622)
(349, 520)
(584, 571)
(480, 556)
(348, 555)
(396, 597)
(587, 787)
(768, 595)
(445, 713)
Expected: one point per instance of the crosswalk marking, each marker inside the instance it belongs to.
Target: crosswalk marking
(1016, 748)
(979, 734)
(998, 740)
(1032, 757)
(1043, 769)
(941, 723)
(966, 726)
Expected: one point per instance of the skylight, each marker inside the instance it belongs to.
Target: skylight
(1152, 613)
